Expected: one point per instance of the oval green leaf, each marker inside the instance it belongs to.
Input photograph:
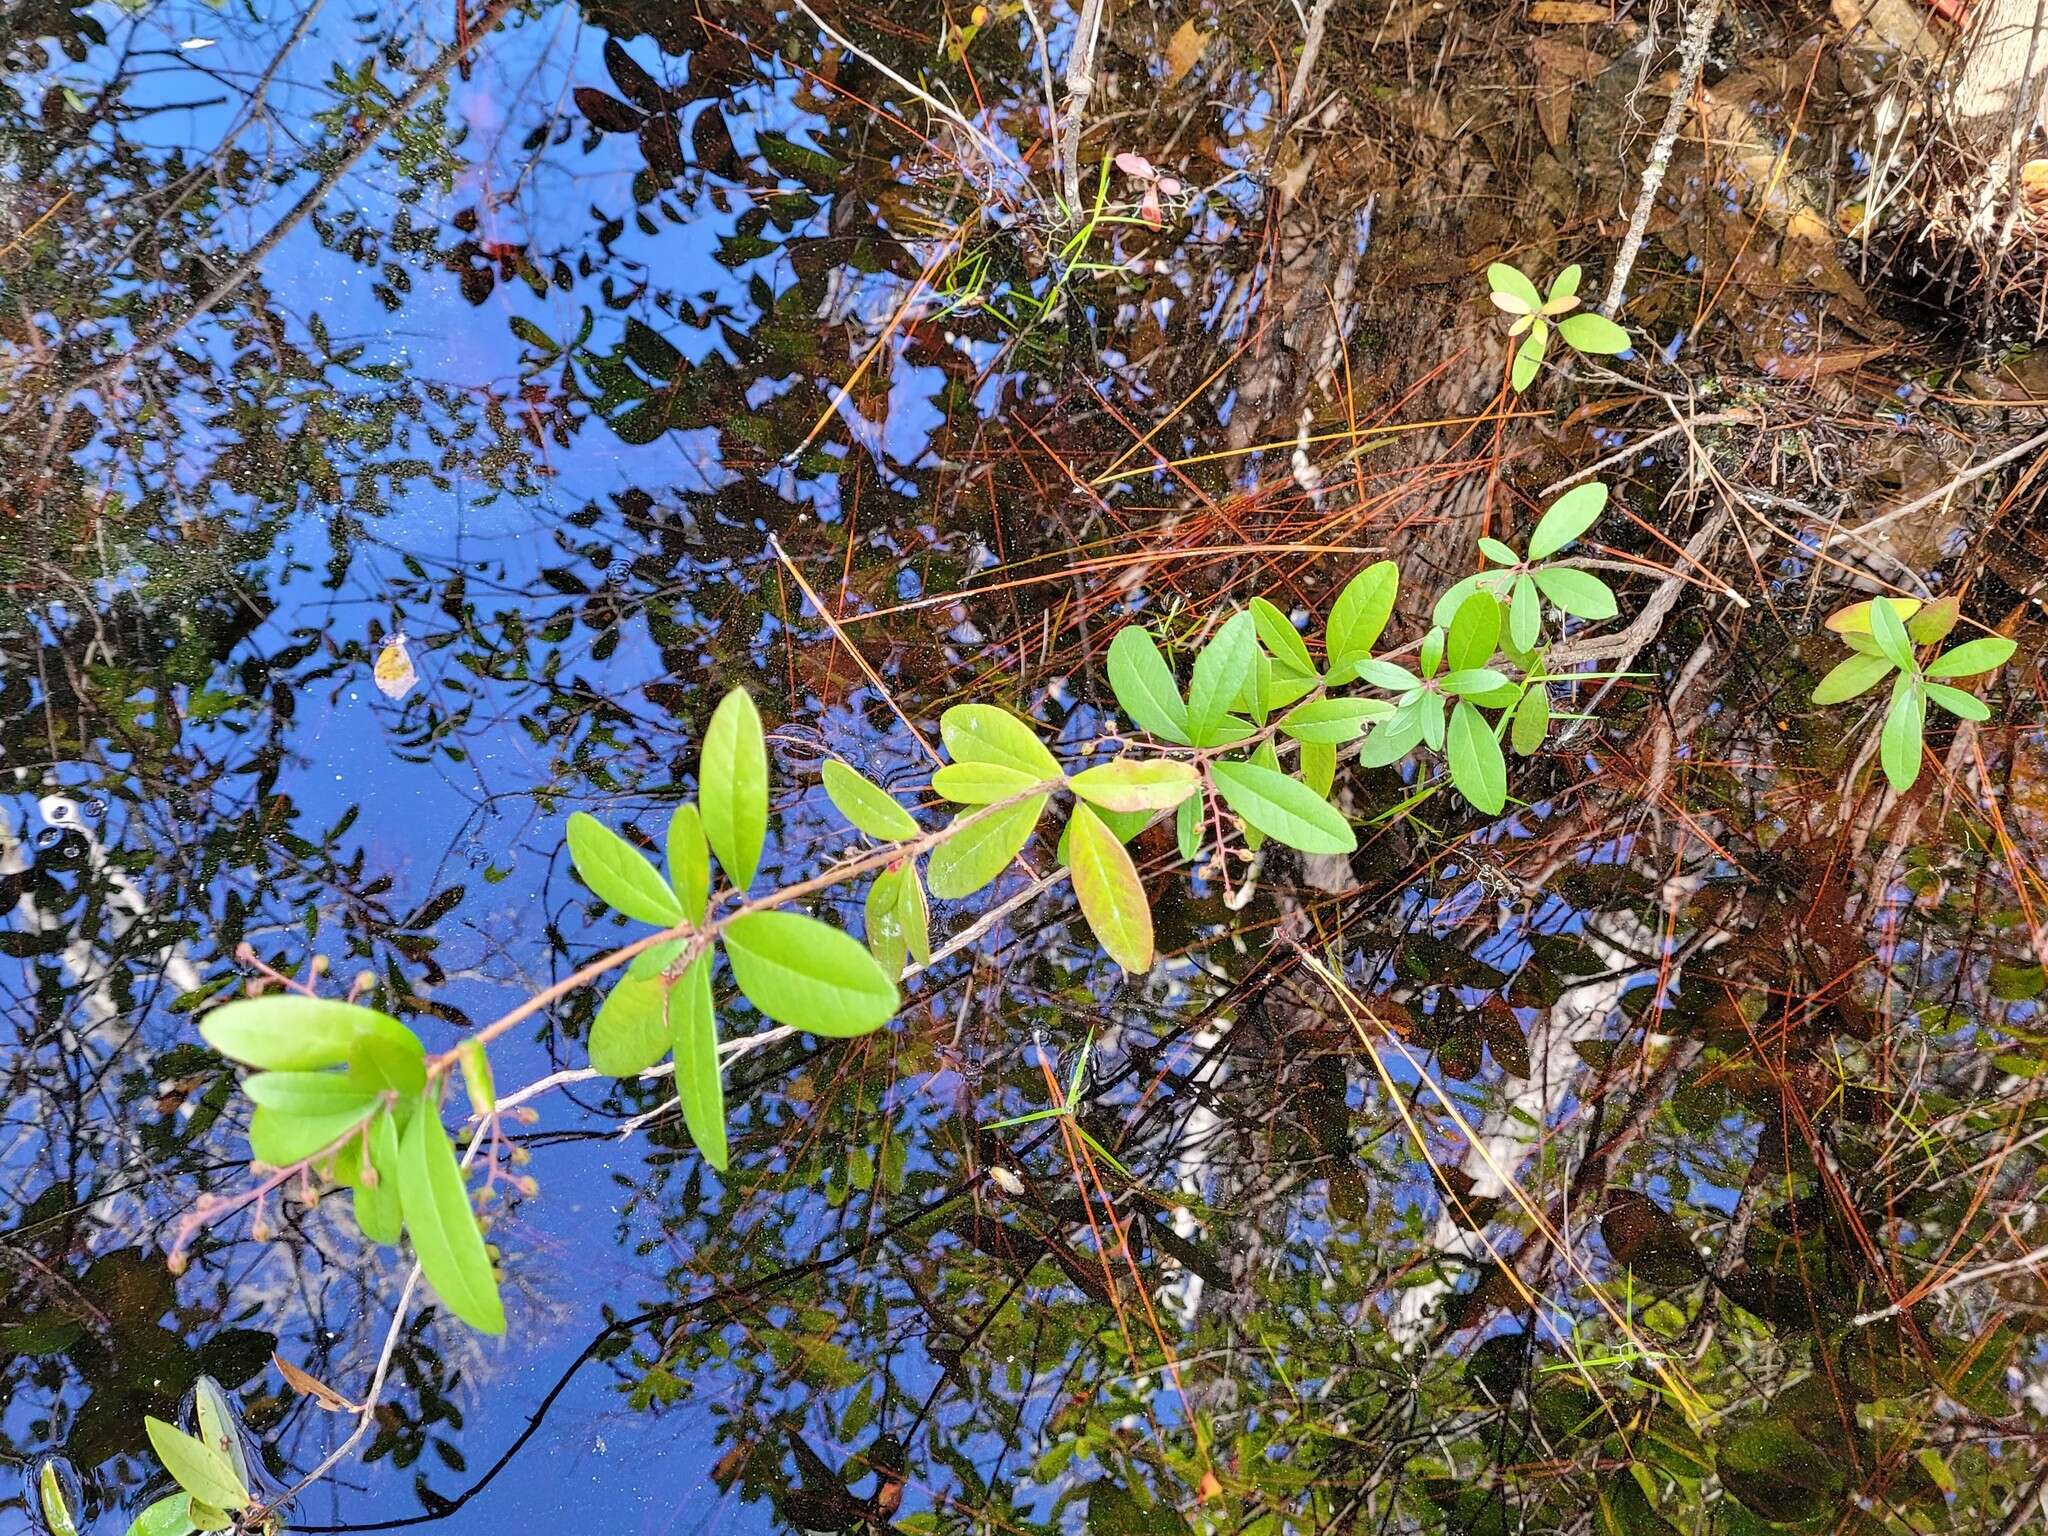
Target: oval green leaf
(166, 1517)
(1474, 634)
(286, 1032)
(1567, 518)
(1972, 657)
(1507, 282)
(199, 1469)
(976, 783)
(982, 733)
(1220, 672)
(1282, 808)
(1965, 706)
(1144, 685)
(1904, 727)
(1359, 615)
(619, 874)
(887, 941)
(1532, 720)
(445, 1237)
(1332, 722)
(801, 972)
(1112, 897)
(1579, 593)
(871, 808)
(1477, 768)
(1593, 334)
(1851, 676)
(693, 1027)
(689, 861)
(1135, 784)
(376, 1191)
(630, 1033)
(1281, 639)
(973, 856)
(732, 787)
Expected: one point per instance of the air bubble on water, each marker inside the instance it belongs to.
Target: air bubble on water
(49, 837)
(95, 808)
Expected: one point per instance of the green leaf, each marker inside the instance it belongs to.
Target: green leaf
(976, 854)
(630, 1034)
(1477, 769)
(1256, 699)
(1474, 681)
(477, 1081)
(1332, 722)
(1850, 677)
(385, 1065)
(205, 1517)
(732, 787)
(1387, 674)
(981, 783)
(1283, 809)
(278, 1139)
(1221, 668)
(1579, 593)
(57, 1517)
(1567, 518)
(1893, 643)
(1904, 723)
(215, 1421)
(1525, 615)
(1431, 706)
(869, 807)
(689, 861)
(1528, 358)
(445, 1237)
(916, 913)
(804, 973)
(1506, 282)
(1430, 654)
(1112, 897)
(886, 939)
(1359, 615)
(1972, 657)
(199, 1469)
(693, 1027)
(1855, 619)
(1319, 766)
(1187, 827)
(1931, 625)
(166, 1517)
(982, 733)
(1394, 738)
(1498, 553)
(1144, 685)
(285, 1032)
(310, 1095)
(1594, 334)
(1136, 784)
(1532, 720)
(1282, 640)
(376, 1192)
(619, 873)
(1565, 285)
(1966, 706)
(1474, 634)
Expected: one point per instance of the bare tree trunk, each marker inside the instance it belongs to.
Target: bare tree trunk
(1997, 95)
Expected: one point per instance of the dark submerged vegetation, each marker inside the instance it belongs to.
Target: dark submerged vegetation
(1525, 1020)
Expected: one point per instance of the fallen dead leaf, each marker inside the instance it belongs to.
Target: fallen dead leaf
(1820, 365)
(308, 1385)
(1568, 13)
(1184, 52)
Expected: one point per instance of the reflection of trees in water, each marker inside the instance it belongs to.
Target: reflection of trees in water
(1813, 1119)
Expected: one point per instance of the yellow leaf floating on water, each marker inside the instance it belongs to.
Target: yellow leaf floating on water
(394, 670)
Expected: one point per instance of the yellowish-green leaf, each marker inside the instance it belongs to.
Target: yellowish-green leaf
(887, 941)
(287, 1032)
(1282, 640)
(170, 1516)
(972, 783)
(1111, 896)
(378, 1212)
(58, 1518)
(1136, 784)
(203, 1472)
(1359, 616)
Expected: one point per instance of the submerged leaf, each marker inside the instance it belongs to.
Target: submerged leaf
(203, 1472)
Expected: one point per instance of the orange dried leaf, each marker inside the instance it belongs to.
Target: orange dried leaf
(1568, 13)
(308, 1385)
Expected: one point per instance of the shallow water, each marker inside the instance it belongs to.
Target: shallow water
(1723, 1005)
